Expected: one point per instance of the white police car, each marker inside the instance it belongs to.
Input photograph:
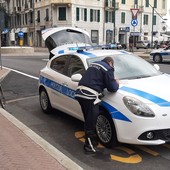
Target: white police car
(160, 55)
(138, 113)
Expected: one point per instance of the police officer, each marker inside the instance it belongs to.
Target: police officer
(99, 75)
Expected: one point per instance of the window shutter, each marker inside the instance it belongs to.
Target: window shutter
(106, 3)
(85, 14)
(91, 15)
(113, 1)
(113, 17)
(98, 16)
(106, 16)
(77, 14)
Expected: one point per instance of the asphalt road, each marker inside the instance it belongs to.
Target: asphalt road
(65, 132)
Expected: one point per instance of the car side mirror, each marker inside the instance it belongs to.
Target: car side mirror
(76, 77)
(156, 66)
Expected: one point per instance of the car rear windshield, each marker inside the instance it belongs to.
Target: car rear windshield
(67, 36)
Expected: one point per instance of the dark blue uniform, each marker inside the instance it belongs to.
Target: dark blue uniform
(99, 75)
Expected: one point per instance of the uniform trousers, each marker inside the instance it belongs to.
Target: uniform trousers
(90, 112)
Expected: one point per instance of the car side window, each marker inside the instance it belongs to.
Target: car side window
(75, 66)
(58, 64)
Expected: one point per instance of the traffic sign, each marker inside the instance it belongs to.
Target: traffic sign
(134, 12)
(134, 22)
(20, 34)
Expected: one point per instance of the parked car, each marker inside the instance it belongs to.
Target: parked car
(124, 46)
(160, 55)
(138, 113)
(143, 44)
(112, 46)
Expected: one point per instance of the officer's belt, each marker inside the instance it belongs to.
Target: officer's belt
(94, 93)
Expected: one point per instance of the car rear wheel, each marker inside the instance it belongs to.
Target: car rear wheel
(157, 58)
(44, 101)
(106, 130)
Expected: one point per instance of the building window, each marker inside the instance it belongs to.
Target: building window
(47, 14)
(155, 3)
(123, 17)
(109, 3)
(154, 20)
(31, 17)
(95, 37)
(62, 13)
(163, 4)
(26, 20)
(147, 3)
(94, 15)
(145, 20)
(136, 3)
(109, 16)
(38, 16)
(81, 14)
(123, 1)
(77, 14)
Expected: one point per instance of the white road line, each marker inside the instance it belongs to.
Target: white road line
(25, 74)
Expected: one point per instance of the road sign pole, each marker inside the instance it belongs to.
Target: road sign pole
(133, 39)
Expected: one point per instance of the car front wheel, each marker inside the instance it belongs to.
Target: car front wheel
(44, 101)
(106, 130)
(157, 58)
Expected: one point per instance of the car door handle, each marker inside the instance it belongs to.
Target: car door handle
(65, 84)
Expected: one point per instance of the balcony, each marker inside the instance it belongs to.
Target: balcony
(61, 2)
(141, 8)
(17, 9)
(110, 7)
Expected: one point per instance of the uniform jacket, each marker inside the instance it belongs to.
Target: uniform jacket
(99, 76)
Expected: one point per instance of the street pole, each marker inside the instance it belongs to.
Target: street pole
(114, 24)
(152, 27)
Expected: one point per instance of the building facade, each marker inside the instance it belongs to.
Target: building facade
(106, 21)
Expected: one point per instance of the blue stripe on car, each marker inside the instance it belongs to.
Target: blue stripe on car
(87, 53)
(61, 52)
(157, 100)
(114, 112)
(70, 93)
(57, 87)
(164, 53)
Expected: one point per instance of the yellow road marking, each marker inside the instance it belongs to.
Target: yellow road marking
(80, 135)
(131, 159)
(167, 145)
(135, 158)
(147, 150)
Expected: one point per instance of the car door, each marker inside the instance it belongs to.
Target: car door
(63, 95)
(167, 53)
(57, 77)
(75, 66)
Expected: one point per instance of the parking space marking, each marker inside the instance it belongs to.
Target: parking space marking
(167, 146)
(147, 150)
(133, 158)
(80, 135)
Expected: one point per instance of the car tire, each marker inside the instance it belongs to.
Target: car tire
(157, 58)
(105, 130)
(44, 101)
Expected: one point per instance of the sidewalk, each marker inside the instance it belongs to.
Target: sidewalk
(23, 149)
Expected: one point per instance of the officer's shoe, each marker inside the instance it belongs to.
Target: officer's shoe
(89, 148)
